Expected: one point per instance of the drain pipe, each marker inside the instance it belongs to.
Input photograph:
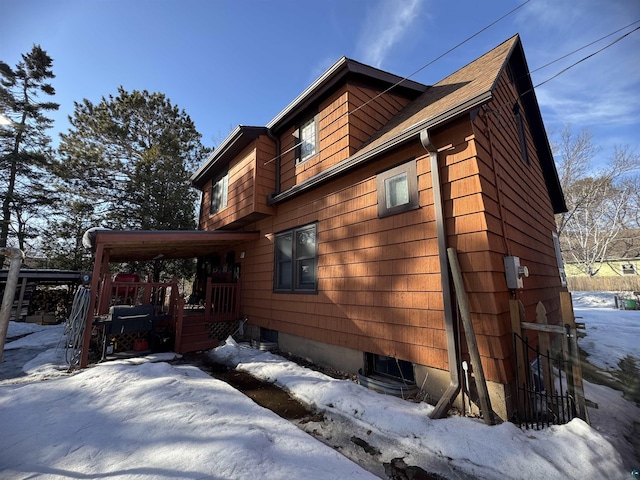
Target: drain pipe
(16, 256)
(452, 390)
(278, 160)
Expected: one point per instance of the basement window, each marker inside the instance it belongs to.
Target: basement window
(397, 189)
(389, 367)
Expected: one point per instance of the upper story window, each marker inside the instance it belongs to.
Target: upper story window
(398, 189)
(521, 133)
(296, 260)
(219, 192)
(308, 140)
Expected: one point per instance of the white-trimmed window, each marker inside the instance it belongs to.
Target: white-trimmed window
(398, 189)
(561, 271)
(308, 140)
(219, 192)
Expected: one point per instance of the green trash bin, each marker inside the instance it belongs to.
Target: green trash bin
(631, 304)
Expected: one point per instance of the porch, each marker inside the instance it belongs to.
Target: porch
(132, 314)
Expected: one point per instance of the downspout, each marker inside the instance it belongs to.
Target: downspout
(277, 141)
(16, 256)
(452, 390)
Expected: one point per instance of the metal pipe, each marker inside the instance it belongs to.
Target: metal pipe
(278, 160)
(452, 390)
(16, 255)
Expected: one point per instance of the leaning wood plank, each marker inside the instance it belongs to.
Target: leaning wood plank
(461, 295)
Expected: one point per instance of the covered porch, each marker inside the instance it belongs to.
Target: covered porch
(127, 307)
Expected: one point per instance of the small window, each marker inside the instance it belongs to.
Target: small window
(398, 189)
(521, 134)
(628, 269)
(296, 260)
(308, 140)
(390, 367)
(219, 189)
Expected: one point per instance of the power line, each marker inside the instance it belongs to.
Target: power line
(588, 56)
(583, 47)
(416, 72)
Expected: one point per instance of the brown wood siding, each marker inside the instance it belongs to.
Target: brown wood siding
(518, 212)
(344, 124)
(379, 280)
(251, 179)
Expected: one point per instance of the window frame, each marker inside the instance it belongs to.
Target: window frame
(316, 143)
(297, 260)
(521, 133)
(224, 179)
(409, 169)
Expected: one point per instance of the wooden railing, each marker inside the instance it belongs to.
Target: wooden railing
(222, 301)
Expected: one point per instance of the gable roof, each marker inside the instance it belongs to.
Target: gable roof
(455, 95)
(345, 67)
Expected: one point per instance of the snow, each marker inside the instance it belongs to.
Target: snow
(148, 418)
(611, 334)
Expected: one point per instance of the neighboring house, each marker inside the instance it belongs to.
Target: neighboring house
(357, 188)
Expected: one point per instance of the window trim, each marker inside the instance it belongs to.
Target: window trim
(298, 134)
(224, 177)
(410, 169)
(295, 261)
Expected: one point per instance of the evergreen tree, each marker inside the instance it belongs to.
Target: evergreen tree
(131, 157)
(25, 152)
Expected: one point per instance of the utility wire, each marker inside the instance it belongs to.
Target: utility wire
(583, 47)
(414, 73)
(587, 57)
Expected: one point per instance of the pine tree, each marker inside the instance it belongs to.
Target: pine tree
(131, 156)
(25, 152)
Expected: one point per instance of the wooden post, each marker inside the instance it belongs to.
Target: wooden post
(568, 318)
(516, 311)
(545, 348)
(478, 372)
(207, 303)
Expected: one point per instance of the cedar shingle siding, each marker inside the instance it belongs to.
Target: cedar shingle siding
(379, 286)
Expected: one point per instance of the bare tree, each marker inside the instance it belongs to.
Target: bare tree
(599, 201)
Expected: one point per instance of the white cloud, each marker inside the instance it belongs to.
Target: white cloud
(386, 24)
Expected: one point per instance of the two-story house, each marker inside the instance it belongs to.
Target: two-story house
(352, 195)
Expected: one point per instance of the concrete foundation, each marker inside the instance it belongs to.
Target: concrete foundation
(432, 382)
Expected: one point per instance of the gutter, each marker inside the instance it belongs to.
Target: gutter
(452, 390)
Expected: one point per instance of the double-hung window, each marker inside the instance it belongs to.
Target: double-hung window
(307, 140)
(219, 189)
(296, 260)
(398, 189)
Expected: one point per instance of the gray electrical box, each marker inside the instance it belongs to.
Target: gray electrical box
(514, 272)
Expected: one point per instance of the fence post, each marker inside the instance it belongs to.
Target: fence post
(568, 318)
(545, 347)
(516, 310)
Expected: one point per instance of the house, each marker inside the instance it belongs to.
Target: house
(333, 222)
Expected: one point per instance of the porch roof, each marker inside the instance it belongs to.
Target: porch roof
(128, 245)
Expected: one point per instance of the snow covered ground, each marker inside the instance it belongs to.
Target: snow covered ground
(147, 418)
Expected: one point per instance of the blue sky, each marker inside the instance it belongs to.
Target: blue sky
(230, 62)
